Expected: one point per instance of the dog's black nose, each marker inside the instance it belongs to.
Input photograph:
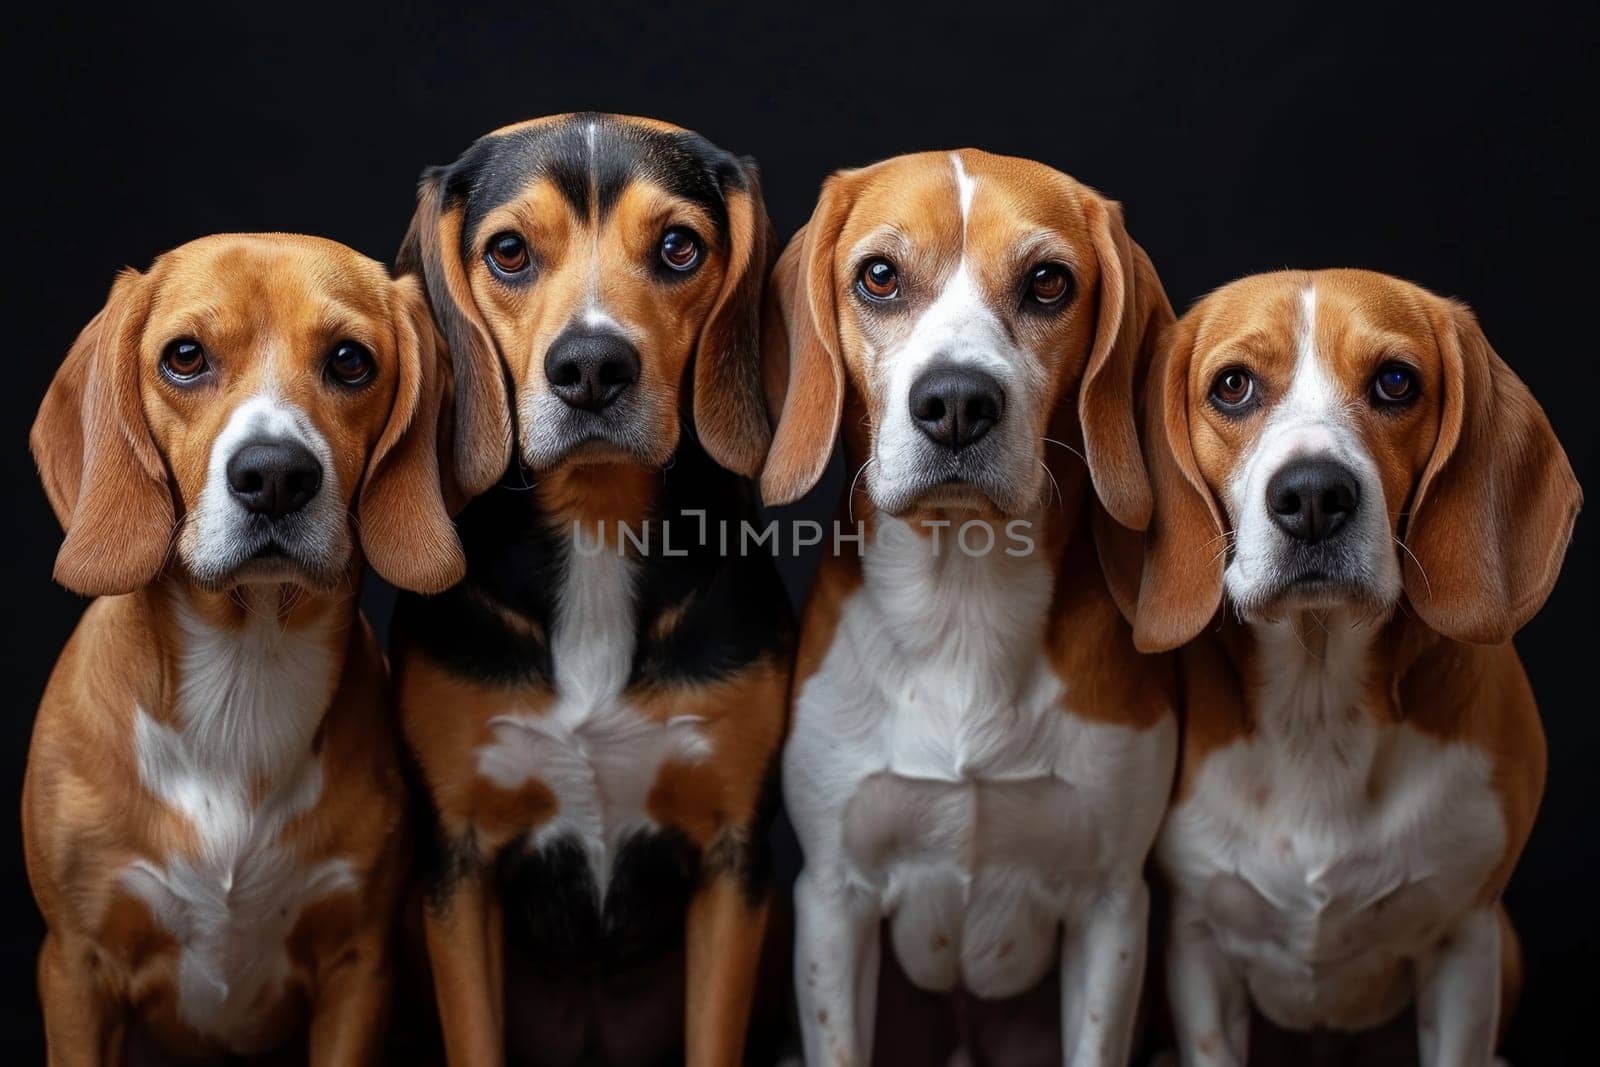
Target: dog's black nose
(274, 478)
(589, 371)
(1310, 498)
(955, 406)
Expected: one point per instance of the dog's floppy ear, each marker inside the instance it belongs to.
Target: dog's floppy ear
(1493, 511)
(406, 531)
(481, 437)
(105, 478)
(802, 366)
(730, 415)
(1180, 583)
(1133, 309)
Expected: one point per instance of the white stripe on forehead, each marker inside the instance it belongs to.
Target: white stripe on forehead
(1305, 336)
(1307, 419)
(966, 186)
(594, 316)
(958, 325)
(1313, 395)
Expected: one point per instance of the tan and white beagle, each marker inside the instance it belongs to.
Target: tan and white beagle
(977, 754)
(213, 810)
(1357, 503)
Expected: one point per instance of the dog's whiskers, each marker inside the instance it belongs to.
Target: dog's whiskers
(1228, 538)
(1055, 486)
(850, 498)
(1069, 448)
(1427, 584)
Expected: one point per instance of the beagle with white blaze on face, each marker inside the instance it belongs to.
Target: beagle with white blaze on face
(213, 810)
(1376, 503)
(977, 754)
(596, 710)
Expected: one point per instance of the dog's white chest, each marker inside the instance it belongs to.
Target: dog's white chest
(595, 752)
(248, 702)
(232, 903)
(975, 876)
(935, 764)
(1331, 849)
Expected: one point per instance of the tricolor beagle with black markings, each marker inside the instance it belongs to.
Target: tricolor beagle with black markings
(596, 711)
(213, 812)
(977, 754)
(1374, 503)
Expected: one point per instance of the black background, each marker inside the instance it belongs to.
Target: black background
(1456, 150)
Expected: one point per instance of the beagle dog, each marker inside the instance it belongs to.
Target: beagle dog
(1357, 503)
(213, 811)
(596, 710)
(976, 752)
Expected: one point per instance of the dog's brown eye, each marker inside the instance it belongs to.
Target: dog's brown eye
(879, 280)
(679, 249)
(184, 360)
(1395, 383)
(1048, 284)
(1233, 389)
(508, 252)
(350, 364)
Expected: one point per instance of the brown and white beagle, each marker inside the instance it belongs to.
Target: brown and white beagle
(976, 754)
(1357, 503)
(213, 809)
(596, 710)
